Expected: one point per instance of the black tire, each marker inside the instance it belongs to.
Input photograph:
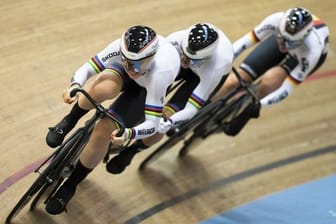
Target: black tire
(35, 187)
(215, 123)
(50, 174)
(45, 193)
(69, 156)
(206, 122)
(202, 116)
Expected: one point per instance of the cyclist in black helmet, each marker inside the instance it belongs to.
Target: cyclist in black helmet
(206, 56)
(292, 46)
(138, 68)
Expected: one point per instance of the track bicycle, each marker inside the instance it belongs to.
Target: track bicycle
(209, 120)
(59, 165)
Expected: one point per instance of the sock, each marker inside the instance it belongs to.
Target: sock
(78, 175)
(75, 114)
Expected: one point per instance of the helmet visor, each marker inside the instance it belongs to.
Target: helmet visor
(136, 66)
(189, 62)
(285, 42)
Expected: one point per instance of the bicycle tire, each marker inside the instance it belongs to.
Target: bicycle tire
(47, 190)
(202, 131)
(200, 117)
(71, 148)
(33, 189)
(215, 124)
(41, 180)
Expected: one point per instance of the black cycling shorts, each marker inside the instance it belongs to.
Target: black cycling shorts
(267, 55)
(129, 106)
(263, 57)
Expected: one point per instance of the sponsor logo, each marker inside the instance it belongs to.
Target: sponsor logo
(110, 55)
(146, 131)
(277, 98)
(265, 28)
(305, 64)
(175, 43)
(240, 50)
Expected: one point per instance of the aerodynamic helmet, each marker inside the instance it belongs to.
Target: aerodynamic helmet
(137, 46)
(200, 42)
(139, 42)
(296, 25)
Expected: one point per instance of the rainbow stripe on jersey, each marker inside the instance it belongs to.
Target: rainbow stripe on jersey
(196, 101)
(151, 110)
(96, 64)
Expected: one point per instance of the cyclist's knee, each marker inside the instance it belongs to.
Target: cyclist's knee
(103, 129)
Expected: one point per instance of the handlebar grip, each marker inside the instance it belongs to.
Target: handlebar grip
(121, 132)
(73, 92)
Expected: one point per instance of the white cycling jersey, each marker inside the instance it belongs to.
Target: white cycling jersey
(314, 46)
(162, 72)
(210, 72)
(307, 54)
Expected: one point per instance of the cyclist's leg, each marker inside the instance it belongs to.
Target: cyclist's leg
(91, 155)
(231, 83)
(103, 86)
(131, 100)
(264, 57)
(118, 164)
(277, 83)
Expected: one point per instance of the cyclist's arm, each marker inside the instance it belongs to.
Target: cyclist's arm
(196, 100)
(155, 95)
(280, 94)
(96, 64)
(260, 32)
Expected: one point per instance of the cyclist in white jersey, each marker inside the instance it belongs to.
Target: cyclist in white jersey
(137, 69)
(206, 59)
(292, 46)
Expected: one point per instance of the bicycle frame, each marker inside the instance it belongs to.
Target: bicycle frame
(208, 120)
(60, 163)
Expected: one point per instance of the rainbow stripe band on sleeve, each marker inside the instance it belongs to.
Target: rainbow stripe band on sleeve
(153, 110)
(171, 107)
(318, 23)
(196, 101)
(131, 132)
(115, 69)
(116, 124)
(254, 37)
(96, 64)
(295, 82)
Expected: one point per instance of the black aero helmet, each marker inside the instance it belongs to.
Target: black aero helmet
(139, 42)
(200, 41)
(296, 24)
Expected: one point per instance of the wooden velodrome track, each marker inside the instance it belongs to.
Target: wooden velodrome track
(44, 42)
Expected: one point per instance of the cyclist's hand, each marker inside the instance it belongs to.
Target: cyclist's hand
(119, 140)
(66, 94)
(165, 125)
